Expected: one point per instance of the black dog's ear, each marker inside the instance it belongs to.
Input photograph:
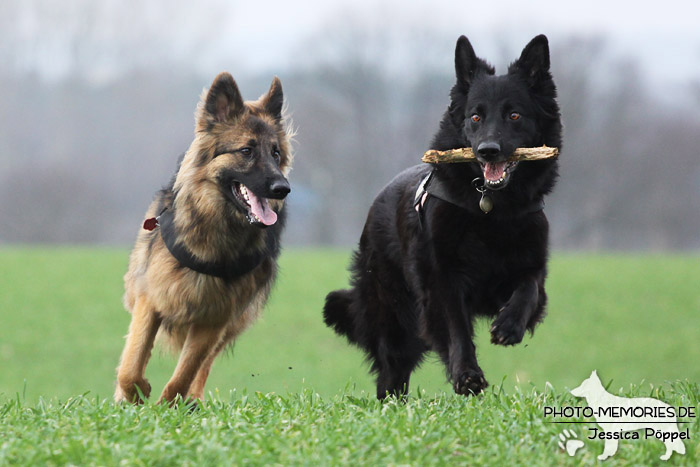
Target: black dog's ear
(274, 99)
(533, 63)
(223, 102)
(467, 67)
(467, 64)
(465, 60)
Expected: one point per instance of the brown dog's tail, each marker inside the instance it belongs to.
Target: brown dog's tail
(336, 313)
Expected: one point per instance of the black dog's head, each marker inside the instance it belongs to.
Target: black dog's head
(494, 115)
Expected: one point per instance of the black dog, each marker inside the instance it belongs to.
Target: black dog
(432, 257)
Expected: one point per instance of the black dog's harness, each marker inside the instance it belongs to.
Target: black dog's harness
(431, 185)
(226, 269)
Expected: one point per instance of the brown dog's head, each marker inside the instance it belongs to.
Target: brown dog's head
(240, 157)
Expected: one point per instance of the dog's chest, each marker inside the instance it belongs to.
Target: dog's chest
(487, 252)
(194, 297)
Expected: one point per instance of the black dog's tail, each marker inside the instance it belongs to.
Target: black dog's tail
(336, 313)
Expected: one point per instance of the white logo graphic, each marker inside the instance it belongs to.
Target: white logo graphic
(618, 416)
(568, 442)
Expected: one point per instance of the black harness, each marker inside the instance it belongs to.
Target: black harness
(432, 186)
(227, 269)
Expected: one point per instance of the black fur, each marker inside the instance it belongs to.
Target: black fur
(419, 286)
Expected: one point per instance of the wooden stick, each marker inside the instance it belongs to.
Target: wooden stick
(467, 155)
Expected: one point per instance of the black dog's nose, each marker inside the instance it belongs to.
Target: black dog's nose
(279, 189)
(488, 149)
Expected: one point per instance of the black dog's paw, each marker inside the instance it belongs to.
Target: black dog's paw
(470, 382)
(507, 330)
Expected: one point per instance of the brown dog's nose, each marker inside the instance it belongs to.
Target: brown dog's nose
(279, 189)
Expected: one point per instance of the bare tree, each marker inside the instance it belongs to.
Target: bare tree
(81, 155)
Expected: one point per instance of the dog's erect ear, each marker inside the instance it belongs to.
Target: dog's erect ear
(273, 100)
(467, 66)
(223, 102)
(533, 63)
(465, 61)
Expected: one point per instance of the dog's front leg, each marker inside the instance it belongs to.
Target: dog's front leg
(199, 343)
(609, 449)
(137, 350)
(521, 312)
(449, 330)
(466, 375)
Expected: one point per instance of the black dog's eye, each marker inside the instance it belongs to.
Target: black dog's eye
(277, 155)
(476, 118)
(514, 116)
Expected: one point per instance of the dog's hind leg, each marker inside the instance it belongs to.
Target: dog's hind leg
(200, 343)
(196, 390)
(394, 367)
(396, 348)
(675, 445)
(137, 350)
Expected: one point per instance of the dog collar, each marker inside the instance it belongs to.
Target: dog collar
(225, 269)
(431, 185)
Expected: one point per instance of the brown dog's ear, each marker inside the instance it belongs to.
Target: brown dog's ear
(223, 102)
(273, 100)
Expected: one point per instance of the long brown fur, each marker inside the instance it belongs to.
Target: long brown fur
(197, 313)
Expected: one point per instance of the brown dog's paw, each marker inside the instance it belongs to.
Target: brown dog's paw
(190, 404)
(174, 395)
(507, 330)
(129, 392)
(470, 382)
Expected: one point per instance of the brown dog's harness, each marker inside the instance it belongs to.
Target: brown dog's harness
(224, 269)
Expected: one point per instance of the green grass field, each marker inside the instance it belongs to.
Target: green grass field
(633, 318)
(305, 429)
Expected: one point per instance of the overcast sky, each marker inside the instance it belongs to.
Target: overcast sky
(664, 36)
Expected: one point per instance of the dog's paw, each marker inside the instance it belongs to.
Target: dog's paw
(507, 330)
(569, 443)
(133, 392)
(470, 382)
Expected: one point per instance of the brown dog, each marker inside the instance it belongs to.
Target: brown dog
(203, 265)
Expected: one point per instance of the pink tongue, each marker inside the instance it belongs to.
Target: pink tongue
(261, 209)
(494, 170)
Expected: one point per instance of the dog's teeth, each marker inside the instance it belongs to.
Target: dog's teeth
(244, 192)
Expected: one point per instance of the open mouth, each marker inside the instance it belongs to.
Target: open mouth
(257, 210)
(497, 174)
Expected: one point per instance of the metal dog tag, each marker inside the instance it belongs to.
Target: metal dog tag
(485, 203)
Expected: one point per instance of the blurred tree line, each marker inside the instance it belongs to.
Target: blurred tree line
(82, 155)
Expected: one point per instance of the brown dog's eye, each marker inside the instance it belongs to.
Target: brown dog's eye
(476, 118)
(245, 151)
(278, 157)
(515, 116)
